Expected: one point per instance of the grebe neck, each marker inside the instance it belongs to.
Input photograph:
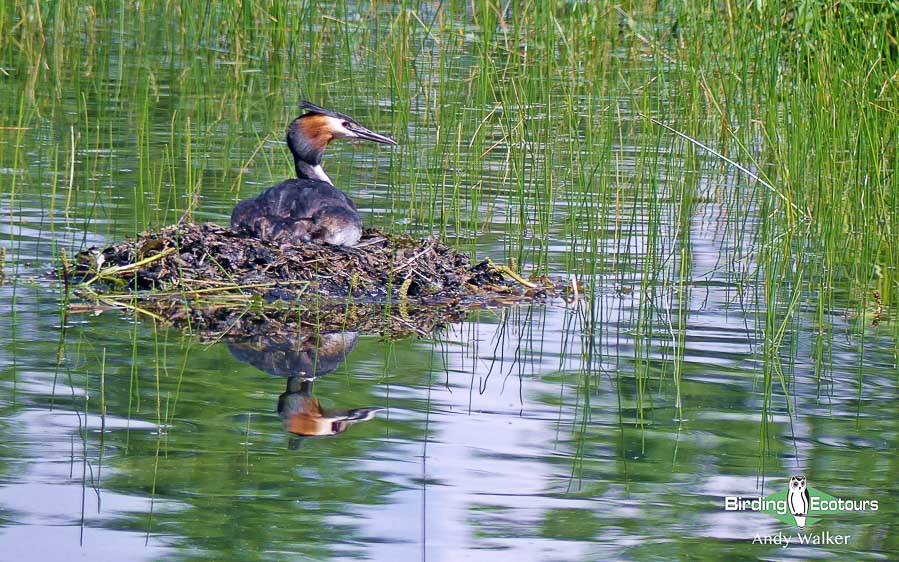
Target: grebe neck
(311, 171)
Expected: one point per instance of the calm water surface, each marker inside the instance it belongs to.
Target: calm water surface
(611, 428)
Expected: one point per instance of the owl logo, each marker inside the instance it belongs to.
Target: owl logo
(798, 499)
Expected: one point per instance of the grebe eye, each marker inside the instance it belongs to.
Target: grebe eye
(347, 125)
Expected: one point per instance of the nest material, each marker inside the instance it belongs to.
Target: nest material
(212, 322)
(203, 259)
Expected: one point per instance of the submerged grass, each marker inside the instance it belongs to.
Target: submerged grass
(555, 131)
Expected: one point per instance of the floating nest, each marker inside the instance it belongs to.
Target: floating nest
(200, 273)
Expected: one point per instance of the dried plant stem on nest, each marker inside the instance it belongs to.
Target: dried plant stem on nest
(507, 271)
(117, 271)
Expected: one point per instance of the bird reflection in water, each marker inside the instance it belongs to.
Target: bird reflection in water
(302, 359)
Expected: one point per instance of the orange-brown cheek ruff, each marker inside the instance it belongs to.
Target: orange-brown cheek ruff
(317, 130)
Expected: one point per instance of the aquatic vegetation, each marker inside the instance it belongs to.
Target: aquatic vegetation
(716, 182)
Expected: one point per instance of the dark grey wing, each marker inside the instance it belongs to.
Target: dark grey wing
(278, 213)
(290, 200)
(244, 213)
(808, 502)
(299, 210)
(268, 205)
(320, 194)
(345, 198)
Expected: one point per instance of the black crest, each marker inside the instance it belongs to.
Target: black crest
(312, 109)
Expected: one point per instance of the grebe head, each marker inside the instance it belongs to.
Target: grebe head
(309, 134)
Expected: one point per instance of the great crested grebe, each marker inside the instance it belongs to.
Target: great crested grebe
(309, 208)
